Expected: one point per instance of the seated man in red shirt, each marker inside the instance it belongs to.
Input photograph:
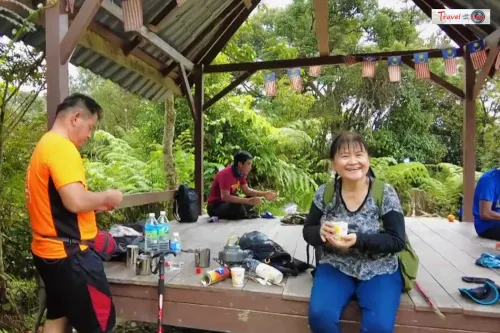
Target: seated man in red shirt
(223, 201)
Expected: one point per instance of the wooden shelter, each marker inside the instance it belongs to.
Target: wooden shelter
(176, 42)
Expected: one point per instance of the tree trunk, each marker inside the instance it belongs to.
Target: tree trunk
(168, 144)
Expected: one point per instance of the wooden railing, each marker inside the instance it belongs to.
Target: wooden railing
(139, 199)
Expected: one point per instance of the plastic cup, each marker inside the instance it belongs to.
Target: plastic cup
(238, 276)
(341, 227)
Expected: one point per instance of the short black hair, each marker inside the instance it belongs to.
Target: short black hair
(82, 100)
(345, 140)
(242, 156)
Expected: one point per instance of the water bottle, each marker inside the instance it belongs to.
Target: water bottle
(176, 246)
(163, 232)
(151, 234)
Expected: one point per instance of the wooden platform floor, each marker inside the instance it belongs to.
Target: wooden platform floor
(447, 252)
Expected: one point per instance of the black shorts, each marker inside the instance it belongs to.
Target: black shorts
(77, 288)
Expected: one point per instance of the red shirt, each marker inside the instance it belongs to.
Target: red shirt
(225, 180)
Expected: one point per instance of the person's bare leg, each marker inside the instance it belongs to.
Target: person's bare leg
(60, 325)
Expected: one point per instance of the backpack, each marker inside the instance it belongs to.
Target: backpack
(186, 204)
(408, 259)
(271, 253)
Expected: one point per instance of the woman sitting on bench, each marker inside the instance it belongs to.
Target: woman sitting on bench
(363, 262)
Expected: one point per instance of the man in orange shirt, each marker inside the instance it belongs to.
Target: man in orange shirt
(60, 206)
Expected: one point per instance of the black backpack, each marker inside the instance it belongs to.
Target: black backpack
(186, 204)
(269, 252)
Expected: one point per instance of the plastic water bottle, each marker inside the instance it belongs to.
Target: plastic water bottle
(151, 234)
(163, 232)
(175, 246)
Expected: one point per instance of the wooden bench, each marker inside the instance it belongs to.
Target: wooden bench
(447, 252)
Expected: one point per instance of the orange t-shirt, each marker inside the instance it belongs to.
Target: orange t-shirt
(55, 162)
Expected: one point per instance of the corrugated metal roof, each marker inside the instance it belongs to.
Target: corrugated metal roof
(492, 5)
(199, 20)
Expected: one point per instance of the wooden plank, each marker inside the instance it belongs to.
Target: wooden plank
(140, 199)
(444, 301)
(189, 95)
(150, 36)
(446, 274)
(473, 246)
(469, 132)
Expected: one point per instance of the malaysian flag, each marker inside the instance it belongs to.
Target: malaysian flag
(70, 6)
(450, 61)
(368, 67)
(422, 65)
(270, 84)
(315, 71)
(349, 60)
(394, 68)
(477, 54)
(295, 79)
(132, 15)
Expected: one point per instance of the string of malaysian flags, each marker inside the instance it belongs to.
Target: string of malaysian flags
(421, 60)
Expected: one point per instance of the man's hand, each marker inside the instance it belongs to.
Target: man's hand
(270, 195)
(254, 201)
(113, 198)
(344, 242)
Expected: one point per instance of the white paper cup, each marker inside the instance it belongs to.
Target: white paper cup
(238, 276)
(341, 228)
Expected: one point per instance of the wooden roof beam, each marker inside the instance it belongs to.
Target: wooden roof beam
(492, 42)
(227, 90)
(154, 22)
(77, 28)
(329, 60)
(106, 49)
(439, 80)
(150, 36)
(118, 42)
(321, 25)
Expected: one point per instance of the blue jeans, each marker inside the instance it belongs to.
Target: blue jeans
(332, 290)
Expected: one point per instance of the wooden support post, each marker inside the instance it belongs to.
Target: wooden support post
(56, 26)
(469, 138)
(198, 132)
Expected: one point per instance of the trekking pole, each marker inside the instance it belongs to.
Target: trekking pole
(429, 301)
(160, 269)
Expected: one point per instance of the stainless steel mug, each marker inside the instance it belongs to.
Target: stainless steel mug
(143, 264)
(132, 253)
(202, 258)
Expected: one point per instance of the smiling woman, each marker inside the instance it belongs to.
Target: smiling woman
(363, 262)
